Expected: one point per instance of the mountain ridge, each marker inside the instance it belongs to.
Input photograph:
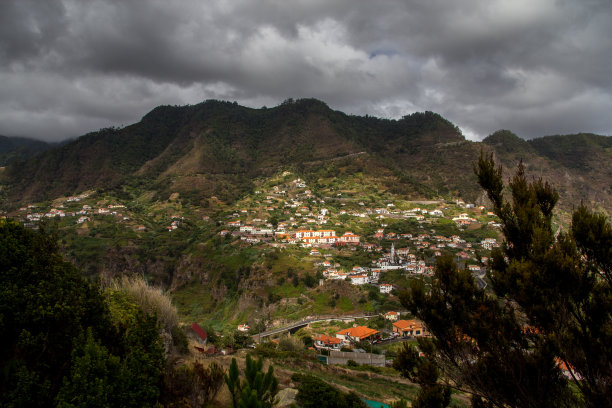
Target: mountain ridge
(216, 149)
(20, 148)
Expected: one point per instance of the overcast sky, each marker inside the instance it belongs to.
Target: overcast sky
(536, 67)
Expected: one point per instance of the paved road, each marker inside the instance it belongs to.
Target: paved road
(480, 281)
(305, 322)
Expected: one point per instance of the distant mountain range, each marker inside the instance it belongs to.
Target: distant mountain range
(20, 148)
(219, 148)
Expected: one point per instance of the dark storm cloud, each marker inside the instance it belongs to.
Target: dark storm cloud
(535, 67)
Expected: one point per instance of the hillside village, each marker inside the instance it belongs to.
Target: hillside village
(339, 233)
(308, 222)
(289, 214)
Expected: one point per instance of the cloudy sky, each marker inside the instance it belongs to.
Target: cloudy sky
(536, 67)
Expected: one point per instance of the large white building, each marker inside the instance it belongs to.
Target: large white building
(359, 279)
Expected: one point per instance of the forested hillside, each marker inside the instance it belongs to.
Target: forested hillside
(218, 148)
(19, 148)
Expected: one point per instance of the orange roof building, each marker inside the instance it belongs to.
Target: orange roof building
(408, 328)
(357, 333)
(393, 316)
(325, 341)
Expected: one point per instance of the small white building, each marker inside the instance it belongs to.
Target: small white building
(385, 288)
(392, 316)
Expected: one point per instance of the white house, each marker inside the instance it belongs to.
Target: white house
(385, 288)
(393, 316)
(349, 238)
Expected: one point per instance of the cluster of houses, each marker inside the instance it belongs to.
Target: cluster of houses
(300, 206)
(402, 259)
(489, 243)
(357, 276)
(304, 237)
(177, 220)
(86, 212)
(33, 216)
(463, 219)
(76, 199)
(353, 335)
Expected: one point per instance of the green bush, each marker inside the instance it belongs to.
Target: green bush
(195, 384)
(179, 340)
(44, 305)
(151, 300)
(257, 390)
(352, 363)
(62, 342)
(290, 343)
(316, 393)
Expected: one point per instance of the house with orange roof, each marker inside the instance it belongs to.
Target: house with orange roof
(409, 328)
(349, 238)
(327, 342)
(358, 333)
(385, 288)
(393, 316)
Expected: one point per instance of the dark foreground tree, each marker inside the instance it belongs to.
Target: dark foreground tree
(44, 306)
(543, 338)
(316, 393)
(59, 343)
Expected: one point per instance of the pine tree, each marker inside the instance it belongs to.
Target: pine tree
(257, 390)
(232, 379)
(550, 308)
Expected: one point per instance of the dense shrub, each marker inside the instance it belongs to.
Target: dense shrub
(151, 300)
(62, 342)
(44, 305)
(290, 343)
(316, 393)
(192, 385)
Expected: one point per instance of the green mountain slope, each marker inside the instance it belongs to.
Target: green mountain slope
(218, 148)
(19, 148)
(161, 199)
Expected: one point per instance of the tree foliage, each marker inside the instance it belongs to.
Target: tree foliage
(192, 385)
(257, 390)
(44, 305)
(550, 308)
(60, 345)
(316, 393)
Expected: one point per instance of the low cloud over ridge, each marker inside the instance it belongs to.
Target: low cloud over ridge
(68, 67)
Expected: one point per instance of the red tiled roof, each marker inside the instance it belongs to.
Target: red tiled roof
(408, 324)
(199, 331)
(324, 338)
(360, 332)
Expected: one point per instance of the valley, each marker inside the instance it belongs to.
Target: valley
(293, 220)
(287, 250)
